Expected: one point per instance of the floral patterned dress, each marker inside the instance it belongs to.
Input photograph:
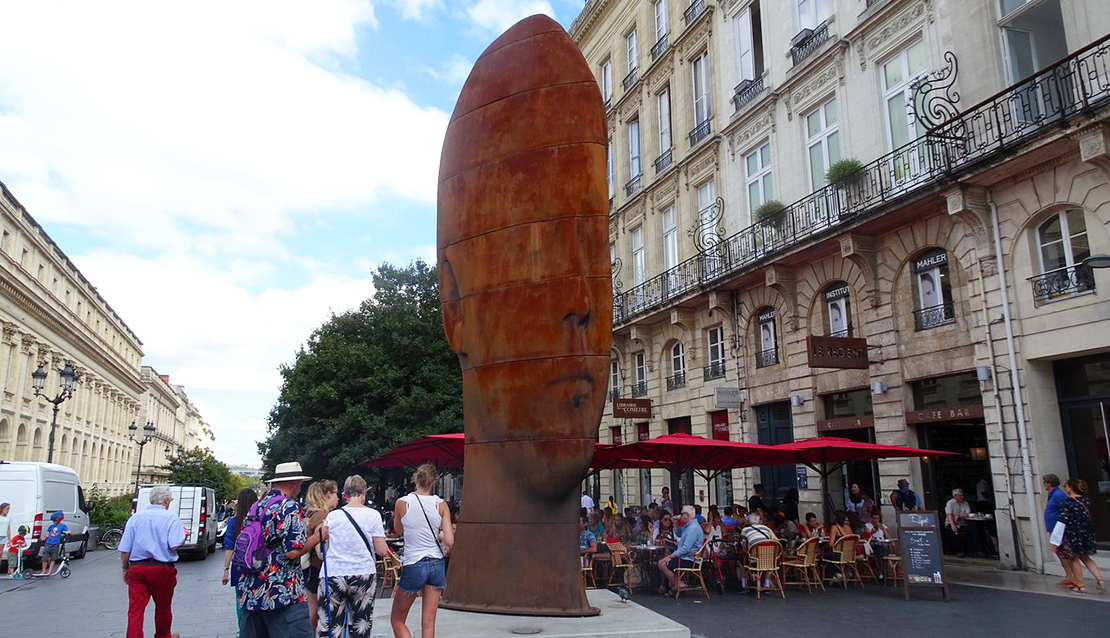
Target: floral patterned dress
(1079, 533)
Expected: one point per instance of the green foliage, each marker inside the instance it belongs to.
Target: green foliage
(199, 466)
(769, 208)
(108, 511)
(368, 379)
(847, 169)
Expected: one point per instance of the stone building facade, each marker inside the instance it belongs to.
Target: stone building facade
(52, 315)
(955, 253)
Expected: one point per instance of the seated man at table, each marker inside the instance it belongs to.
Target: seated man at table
(728, 519)
(752, 533)
(878, 536)
(957, 511)
(812, 528)
(692, 539)
(587, 542)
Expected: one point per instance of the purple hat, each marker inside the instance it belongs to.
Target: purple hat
(57, 515)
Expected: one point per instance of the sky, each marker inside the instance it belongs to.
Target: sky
(229, 173)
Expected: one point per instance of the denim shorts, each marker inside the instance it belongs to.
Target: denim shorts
(428, 571)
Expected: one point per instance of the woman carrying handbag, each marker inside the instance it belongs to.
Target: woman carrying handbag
(425, 523)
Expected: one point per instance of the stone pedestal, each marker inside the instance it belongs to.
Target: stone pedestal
(617, 620)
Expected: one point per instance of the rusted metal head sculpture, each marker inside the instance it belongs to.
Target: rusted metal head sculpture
(527, 304)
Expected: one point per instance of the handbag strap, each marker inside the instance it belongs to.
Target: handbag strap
(358, 529)
(435, 535)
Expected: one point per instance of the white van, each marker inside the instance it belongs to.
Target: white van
(195, 505)
(36, 491)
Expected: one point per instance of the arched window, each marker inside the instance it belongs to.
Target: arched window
(933, 288)
(1062, 246)
(838, 309)
(768, 353)
(640, 388)
(678, 367)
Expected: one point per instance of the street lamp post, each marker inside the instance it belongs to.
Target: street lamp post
(142, 440)
(69, 378)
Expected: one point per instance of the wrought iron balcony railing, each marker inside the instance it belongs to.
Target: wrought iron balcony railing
(1044, 101)
(639, 389)
(633, 185)
(608, 103)
(803, 49)
(660, 47)
(934, 316)
(700, 132)
(630, 79)
(765, 358)
(614, 394)
(1062, 283)
(715, 370)
(676, 381)
(664, 160)
(747, 91)
(841, 334)
(693, 11)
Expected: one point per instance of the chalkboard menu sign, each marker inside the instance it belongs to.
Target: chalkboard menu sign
(922, 558)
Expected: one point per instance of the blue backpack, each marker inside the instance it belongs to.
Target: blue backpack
(251, 548)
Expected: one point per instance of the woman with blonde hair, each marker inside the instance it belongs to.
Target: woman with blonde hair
(424, 521)
(322, 498)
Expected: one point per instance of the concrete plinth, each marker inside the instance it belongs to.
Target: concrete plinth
(617, 620)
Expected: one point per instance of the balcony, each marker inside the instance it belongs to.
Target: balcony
(934, 317)
(660, 47)
(765, 358)
(715, 370)
(841, 334)
(676, 381)
(614, 394)
(696, 8)
(747, 91)
(802, 49)
(1063, 283)
(639, 389)
(1073, 86)
(608, 103)
(630, 79)
(633, 185)
(664, 160)
(700, 132)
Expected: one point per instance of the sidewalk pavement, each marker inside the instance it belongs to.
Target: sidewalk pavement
(1028, 582)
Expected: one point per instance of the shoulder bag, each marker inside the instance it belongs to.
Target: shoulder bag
(358, 529)
(435, 534)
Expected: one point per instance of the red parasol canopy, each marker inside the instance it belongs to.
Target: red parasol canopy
(441, 450)
(681, 452)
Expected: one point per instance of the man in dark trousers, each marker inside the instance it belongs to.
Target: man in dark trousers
(148, 552)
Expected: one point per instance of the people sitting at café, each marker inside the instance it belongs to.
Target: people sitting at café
(664, 532)
(839, 528)
(812, 528)
(729, 520)
(597, 528)
(860, 504)
(714, 529)
(957, 511)
(787, 530)
(692, 540)
(645, 530)
(877, 536)
(752, 533)
(756, 502)
(621, 530)
(587, 542)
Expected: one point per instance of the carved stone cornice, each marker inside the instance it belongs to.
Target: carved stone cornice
(588, 19)
(888, 23)
(695, 36)
(781, 279)
(803, 90)
(1094, 146)
(694, 164)
(861, 251)
(752, 125)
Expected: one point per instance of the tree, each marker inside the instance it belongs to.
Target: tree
(199, 466)
(368, 379)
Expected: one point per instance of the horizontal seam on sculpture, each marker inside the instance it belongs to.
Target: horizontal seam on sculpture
(512, 42)
(530, 359)
(516, 155)
(527, 223)
(543, 281)
(460, 116)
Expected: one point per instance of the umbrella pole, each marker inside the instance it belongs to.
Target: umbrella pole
(825, 492)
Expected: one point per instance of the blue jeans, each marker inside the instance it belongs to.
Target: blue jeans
(287, 622)
(428, 571)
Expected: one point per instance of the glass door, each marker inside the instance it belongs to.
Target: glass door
(1089, 451)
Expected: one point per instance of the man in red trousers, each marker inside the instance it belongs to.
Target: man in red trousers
(148, 551)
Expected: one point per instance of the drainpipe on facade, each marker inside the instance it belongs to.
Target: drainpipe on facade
(1019, 407)
(1015, 533)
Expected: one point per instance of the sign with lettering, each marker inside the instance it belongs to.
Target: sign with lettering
(951, 413)
(837, 291)
(803, 478)
(726, 398)
(846, 423)
(837, 352)
(631, 408)
(930, 260)
(767, 314)
(920, 544)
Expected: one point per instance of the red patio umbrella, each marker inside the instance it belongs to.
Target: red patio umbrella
(444, 451)
(819, 452)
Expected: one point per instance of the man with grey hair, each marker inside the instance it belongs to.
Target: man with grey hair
(148, 553)
(693, 537)
(957, 512)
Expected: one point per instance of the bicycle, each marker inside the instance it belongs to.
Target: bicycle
(111, 538)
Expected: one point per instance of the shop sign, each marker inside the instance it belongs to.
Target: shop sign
(846, 423)
(803, 478)
(836, 292)
(951, 413)
(930, 260)
(837, 352)
(768, 314)
(922, 560)
(726, 398)
(631, 408)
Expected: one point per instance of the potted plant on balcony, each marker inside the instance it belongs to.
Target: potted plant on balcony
(769, 217)
(846, 175)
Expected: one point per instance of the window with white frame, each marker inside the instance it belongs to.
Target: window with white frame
(812, 13)
(640, 361)
(670, 238)
(614, 379)
(839, 309)
(638, 272)
(898, 77)
(707, 195)
(660, 19)
(678, 367)
(703, 108)
(822, 141)
(1033, 35)
(715, 338)
(768, 353)
(1062, 241)
(933, 290)
(664, 109)
(632, 50)
(634, 148)
(607, 80)
(749, 43)
(758, 176)
(609, 168)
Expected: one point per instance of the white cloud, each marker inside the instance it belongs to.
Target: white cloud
(498, 15)
(453, 71)
(415, 9)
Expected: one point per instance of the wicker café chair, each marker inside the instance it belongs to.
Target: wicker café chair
(588, 571)
(804, 564)
(892, 563)
(620, 572)
(692, 572)
(389, 566)
(845, 546)
(764, 558)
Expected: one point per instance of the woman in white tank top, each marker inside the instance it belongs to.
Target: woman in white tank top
(425, 523)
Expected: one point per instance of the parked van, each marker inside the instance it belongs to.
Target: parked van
(195, 506)
(36, 491)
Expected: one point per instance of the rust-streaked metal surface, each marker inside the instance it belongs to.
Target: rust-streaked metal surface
(527, 304)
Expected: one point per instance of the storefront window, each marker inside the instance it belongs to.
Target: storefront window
(846, 404)
(959, 389)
